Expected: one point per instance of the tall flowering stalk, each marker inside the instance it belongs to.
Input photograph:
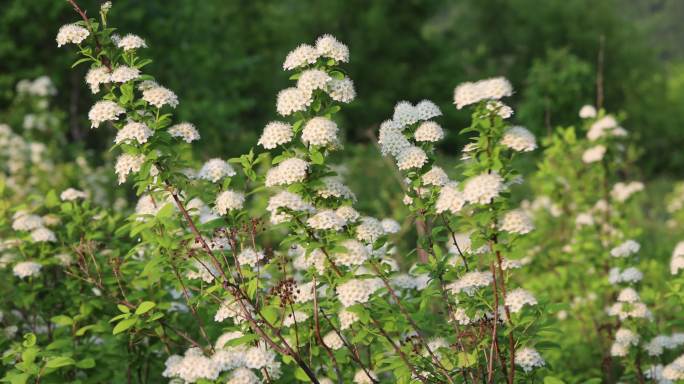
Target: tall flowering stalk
(473, 217)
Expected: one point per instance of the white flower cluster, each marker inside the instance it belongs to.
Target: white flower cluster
(341, 90)
(24, 221)
(320, 131)
(275, 133)
(517, 221)
(606, 125)
(124, 74)
(624, 338)
(333, 187)
(71, 194)
(130, 42)
(675, 370)
(26, 269)
(528, 359)
(71, 34)
(191, 367)
(658, 344)
(628, 275)
(627, 248)
(229, 200)
(622, 191)
(104, 110)
(285, 200)
(133, 131)
(474, 92)
(290, 171)
(369, 230)
(677, 261)
(483, 189)
(185, 131)
(517, 298)
(326, 220)
(97, 76)
(519, 139)
(470, 282)
(215, 170)
(250, 257)
(587, 112)
(127, 163)
(450, 199)
(159, 96)
(355, 254)
(594, 154)
(355, 291)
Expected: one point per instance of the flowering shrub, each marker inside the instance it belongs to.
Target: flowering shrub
(262, 268)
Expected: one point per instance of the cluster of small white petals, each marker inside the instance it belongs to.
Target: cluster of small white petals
(348, 213)
(501, 109)
(275, 133)
(124, 73)
(391, 140)
(450, 199)
(677, 261)
(517, 221)
(26, 222)
(130, 42)
(405, 114)
(629, 275)
(587, 112)
(390, 225)
(594, 154)
(347, 318)
(26, 269)
(341, 90)
(429, 131)
(658, 344)
(355, 254)
(624, 338)
(289, 171)
(97, 76)
(483, 189)
(215, 170)
(243, 375)
(304, 292)
(584, 219)
(474, 92)
(329, 46)
(435, 177)
(192, 367)
(320, 131)
(228, 201)
(427, 110)
(43, 235)
(333, 340)
(127, 163)
(296, 317)
(326, 220)
(528, 359)
(629, 247)
(185, 131)
(301, 56)
(203, 270)
(313, 79)
(71, 34)
(250, 257)
(104, 110)
(625, 311)
(353, 292)
(133, 131)
(361, 377)
(288, 200)
(470, 282)
(601, 127)
(71, 194)
(622, 191)
(628, 295)
(291, 100)
(517, 298)
(160, 96)
(519, 139)
(675, 370)
(333, 187)
(230, 309)
(411, 157)
(369, 230)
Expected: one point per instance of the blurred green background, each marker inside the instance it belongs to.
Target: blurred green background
(223, 58)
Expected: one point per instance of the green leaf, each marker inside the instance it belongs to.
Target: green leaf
(29, 340)
(553, 380)
(123, 308)
(301, 375)
(124, 325)
(144, 307)
(62, 320)
(86, 363)
(61, 361)
(316, 156)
